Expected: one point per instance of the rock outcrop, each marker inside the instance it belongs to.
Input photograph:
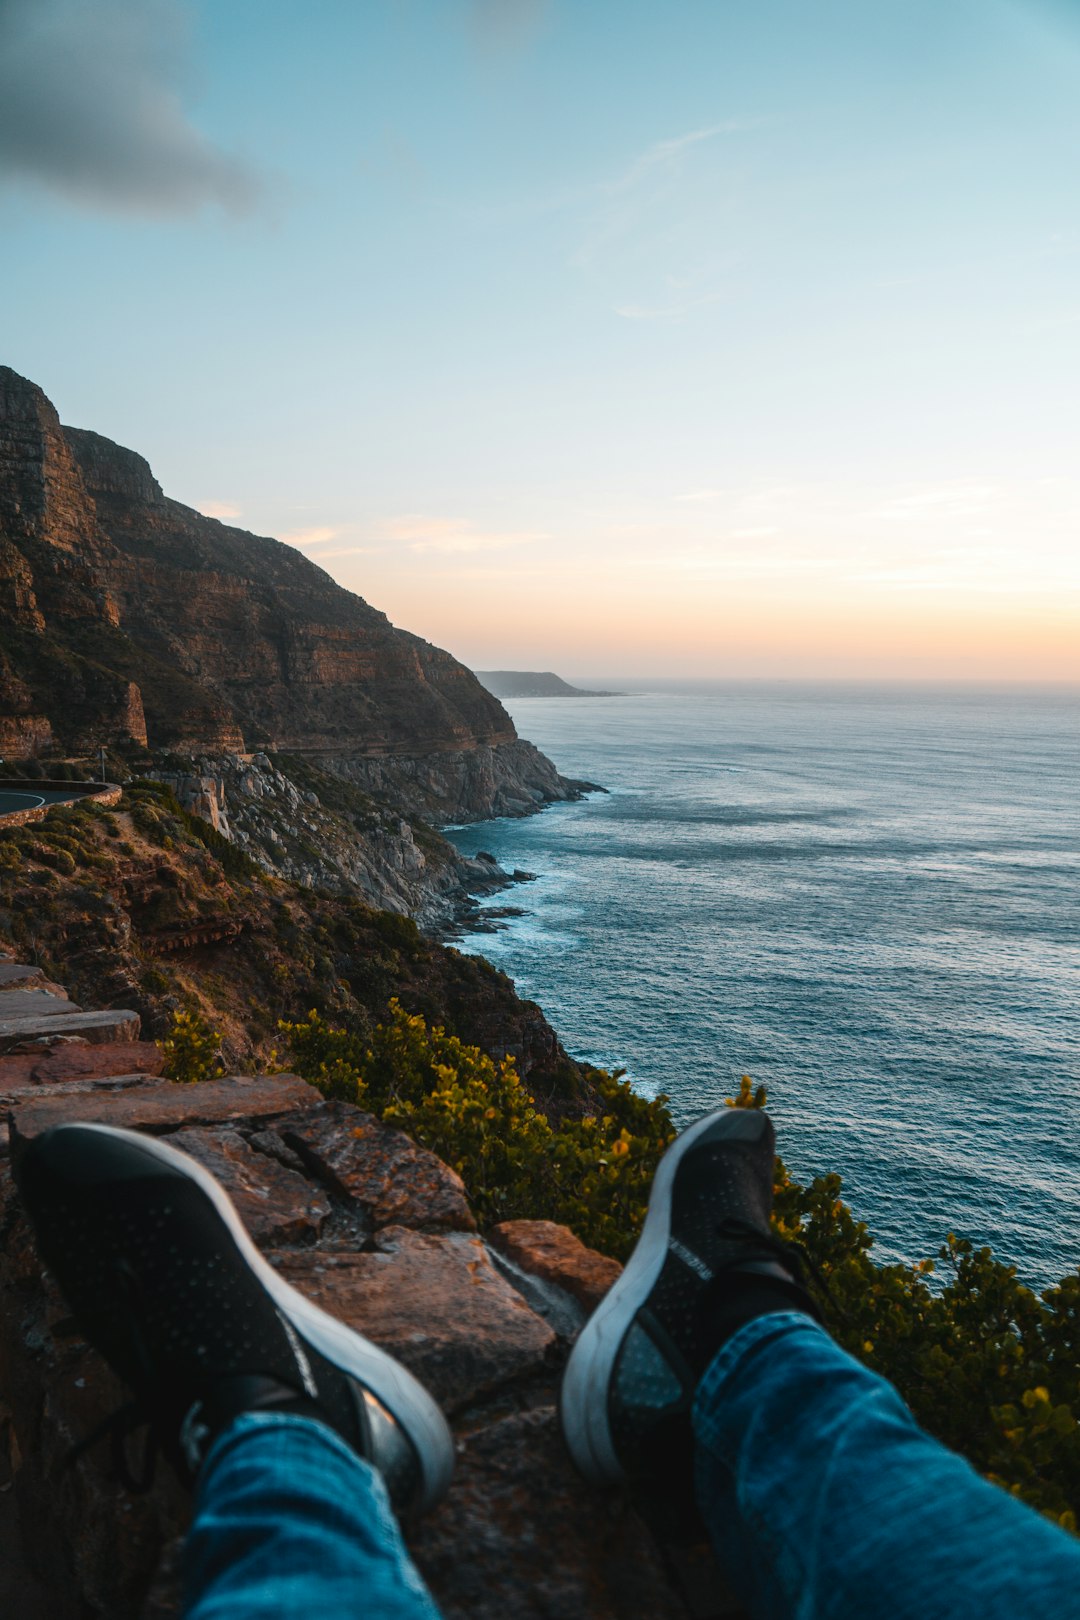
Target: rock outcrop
(378, 1231)
(128, 617)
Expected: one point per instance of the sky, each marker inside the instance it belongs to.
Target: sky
(682, 337)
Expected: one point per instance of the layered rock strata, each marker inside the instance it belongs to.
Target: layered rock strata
(129, 617)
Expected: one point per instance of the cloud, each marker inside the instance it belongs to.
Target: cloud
(453, 536)
(91, 107)
(309, 537)
(222, 510)
(666, 154)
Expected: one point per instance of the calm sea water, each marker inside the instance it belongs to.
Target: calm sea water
(868, 900)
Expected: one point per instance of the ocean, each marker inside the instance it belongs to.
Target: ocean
(866, 899)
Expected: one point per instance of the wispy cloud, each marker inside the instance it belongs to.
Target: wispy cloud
(453, 535)
(666, 154)
(222, 510)
(348, 551)
(666, 312)
(91, 107)
(652, 244)
(310, 537)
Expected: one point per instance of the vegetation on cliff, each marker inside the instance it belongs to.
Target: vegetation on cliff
(145, 906)
(986, 1365)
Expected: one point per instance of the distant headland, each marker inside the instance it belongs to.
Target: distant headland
(514, 683)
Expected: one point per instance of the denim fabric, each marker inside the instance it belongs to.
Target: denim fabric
(290, 1524)
(825, 1499)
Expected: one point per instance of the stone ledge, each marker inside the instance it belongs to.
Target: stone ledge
(120, 1025)
(33, 1001)
(162, 1105)
(78, 1060)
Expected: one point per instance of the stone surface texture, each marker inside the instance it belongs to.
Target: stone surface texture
(38, 1031)
(161, 1105)
(555, 1255)
(378, 1232)
(437, 1304)
(537, 1533)
(383, 1171)
(78, 1060)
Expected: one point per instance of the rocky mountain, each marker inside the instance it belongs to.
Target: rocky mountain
(127, 618)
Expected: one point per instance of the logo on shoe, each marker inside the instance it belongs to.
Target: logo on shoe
(302, 1363)
(689, 1258)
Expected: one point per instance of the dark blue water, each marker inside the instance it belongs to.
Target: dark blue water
(867, 900)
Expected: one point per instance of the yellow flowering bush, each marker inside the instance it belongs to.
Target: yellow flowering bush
(192, 1049)
(988, 1366)
(592, 1174)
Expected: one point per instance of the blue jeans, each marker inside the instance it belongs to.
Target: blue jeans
(824, 1500)
(823, 1497)
(290, 1524)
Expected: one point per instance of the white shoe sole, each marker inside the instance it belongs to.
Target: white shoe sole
(403, 1395)
(583, 1400)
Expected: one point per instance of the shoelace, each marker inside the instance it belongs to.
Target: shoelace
(118, 1426)
(792, 1256)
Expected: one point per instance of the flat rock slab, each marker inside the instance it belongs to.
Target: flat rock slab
(274, 1203)
(28, 1003)
(521, 1534)
(162, 1105)
(557, 1256)
(78, 1061)
(382, 1170)
(435, 1302)
(12, 973)
(120, 1025)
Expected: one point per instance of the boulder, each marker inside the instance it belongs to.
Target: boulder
(380, 1169)
(40, 1030)
(78, 1060)
(435, 1302)
(274, 1203)
(557, 1256)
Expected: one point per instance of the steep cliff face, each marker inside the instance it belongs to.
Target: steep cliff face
(128, 615)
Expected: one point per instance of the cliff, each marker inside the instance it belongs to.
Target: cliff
(129, 618)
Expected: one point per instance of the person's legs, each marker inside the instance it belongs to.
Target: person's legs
(297, 1432)
(822, 1496)
(704, 1381)
(289, 1524)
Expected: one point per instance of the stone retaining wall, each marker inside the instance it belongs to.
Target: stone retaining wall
(106, 794)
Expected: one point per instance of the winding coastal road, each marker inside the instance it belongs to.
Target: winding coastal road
(11, 799)
(19, 801)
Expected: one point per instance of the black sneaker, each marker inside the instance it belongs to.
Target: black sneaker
(164, 1281)
(704, 1264)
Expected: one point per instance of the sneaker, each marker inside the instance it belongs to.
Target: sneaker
(165, 1282)
(704, 1264)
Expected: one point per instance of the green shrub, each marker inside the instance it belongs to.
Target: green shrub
(192, 1049)
(592, 1174)
(988, 1366)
